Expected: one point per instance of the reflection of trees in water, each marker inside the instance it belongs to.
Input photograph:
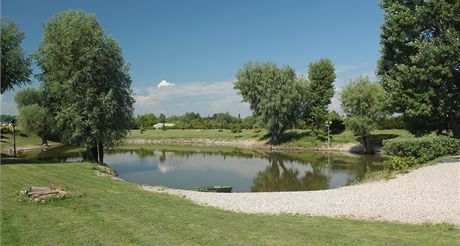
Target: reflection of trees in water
(161, 153)
(276, 177)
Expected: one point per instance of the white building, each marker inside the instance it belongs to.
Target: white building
(160, 125)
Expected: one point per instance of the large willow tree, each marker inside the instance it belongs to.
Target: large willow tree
(274, 96)
(420, 63)
(86, 82)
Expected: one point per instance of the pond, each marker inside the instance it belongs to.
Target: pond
(186, 167)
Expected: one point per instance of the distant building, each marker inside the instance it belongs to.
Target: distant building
(160, 125)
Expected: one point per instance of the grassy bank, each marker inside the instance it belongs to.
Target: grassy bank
(292, 138)
(105, 211)
(23, 140)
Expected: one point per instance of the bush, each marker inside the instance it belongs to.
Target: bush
(220, 130)
(235, 128)
(396, 163)
(5, 130)
(23, 134)
(257, 130)
(423, 149)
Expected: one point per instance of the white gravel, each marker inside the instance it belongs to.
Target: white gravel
(426, 195)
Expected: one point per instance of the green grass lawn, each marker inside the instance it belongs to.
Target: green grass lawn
(103, 211)
(292, 138)
(29, 140)
(195, 134)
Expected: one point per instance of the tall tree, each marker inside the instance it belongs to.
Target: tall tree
(321, 77)
(420, 62)
(33, 114)
(273, 95)
(15, 65)
(363, 102)
(35, 118)
(86, 82)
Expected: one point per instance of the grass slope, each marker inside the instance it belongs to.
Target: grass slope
(105, 211)
(292, 138)
(27, 140)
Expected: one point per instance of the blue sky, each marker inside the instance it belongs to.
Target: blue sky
(199, 45)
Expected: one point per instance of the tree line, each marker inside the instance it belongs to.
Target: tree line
(85, 96)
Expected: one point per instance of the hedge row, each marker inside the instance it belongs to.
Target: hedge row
(422, 149)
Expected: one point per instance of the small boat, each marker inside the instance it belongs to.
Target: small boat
(215, 188)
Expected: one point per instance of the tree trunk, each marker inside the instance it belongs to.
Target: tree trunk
(455, 125)
(101, 152)
(94, 153)
(275, 138)
(44, 141)
(89, 154)
(367, 142)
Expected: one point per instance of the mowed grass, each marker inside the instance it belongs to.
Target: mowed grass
(292, 138)
(103, 211)
(177, 134)
(29, 140)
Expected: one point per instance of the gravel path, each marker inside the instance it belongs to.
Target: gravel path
(426, 195)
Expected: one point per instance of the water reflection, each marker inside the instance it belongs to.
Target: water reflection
(246, 170)
(278, 177)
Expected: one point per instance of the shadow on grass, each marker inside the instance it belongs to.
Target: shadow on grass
(377, 139)
(9, 160)
(295, 136)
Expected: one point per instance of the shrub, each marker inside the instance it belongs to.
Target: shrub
(23, 134)
(220, 130)
(5, 130)
(396, 163)
(423, 149)
(257, 130)
(235, 128)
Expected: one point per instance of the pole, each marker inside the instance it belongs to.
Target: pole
(328, 137)
(14, 141)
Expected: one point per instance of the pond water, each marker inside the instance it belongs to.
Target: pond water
(245, 170)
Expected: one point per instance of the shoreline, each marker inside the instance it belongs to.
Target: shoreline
(424, 195)
(353, 148)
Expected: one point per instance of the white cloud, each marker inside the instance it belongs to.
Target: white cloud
(165, 83)
(202, 97)
(346, 68)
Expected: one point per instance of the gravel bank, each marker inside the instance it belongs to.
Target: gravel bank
(427, 195)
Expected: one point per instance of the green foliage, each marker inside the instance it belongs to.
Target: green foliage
(235, 128)
(28, 96)
(162, 118)
(6, 118)
(397, 163)
(419, 66)
(85, 80)
(338, 124)
(36, 118)
(5, 130)
(363, 102)
(145, 121)
(15, 65)
(320, 89)
(273, 95)
(423, 149)
(391, 122)
(33, 114)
